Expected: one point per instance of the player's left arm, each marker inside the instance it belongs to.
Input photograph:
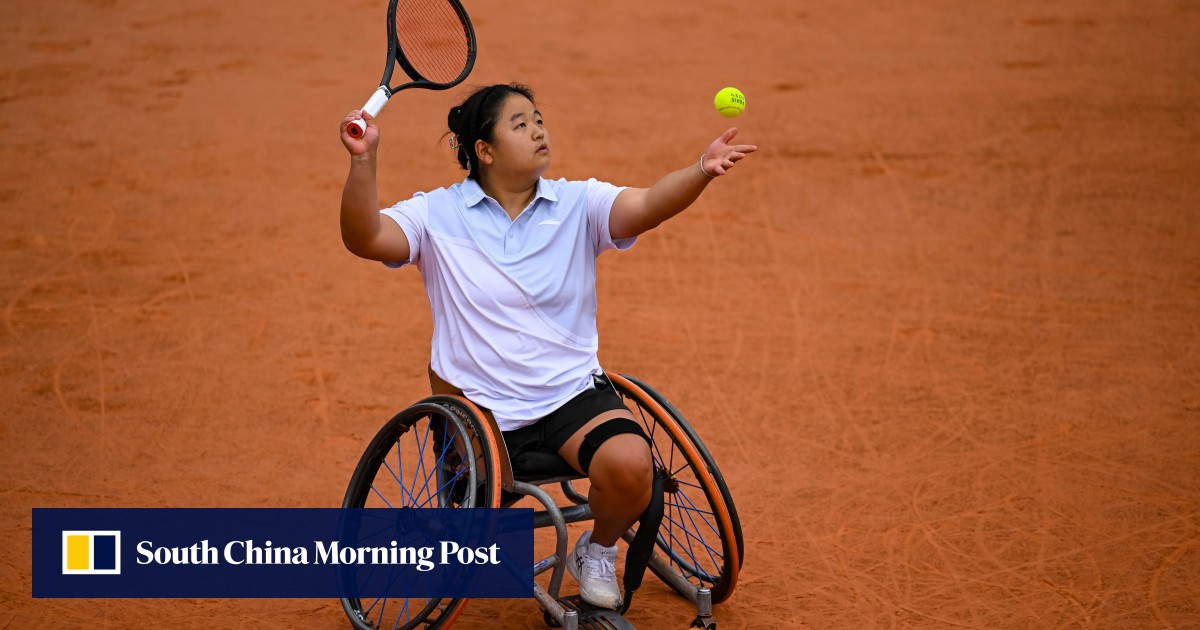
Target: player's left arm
(638, 210)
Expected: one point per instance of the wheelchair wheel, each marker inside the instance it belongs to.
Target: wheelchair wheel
(700, 536)
(434, 454)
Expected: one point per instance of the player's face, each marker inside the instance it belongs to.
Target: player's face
(520, 140)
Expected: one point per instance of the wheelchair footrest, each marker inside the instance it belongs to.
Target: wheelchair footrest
(592, 618)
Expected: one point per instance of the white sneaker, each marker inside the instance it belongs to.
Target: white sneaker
(595, 568)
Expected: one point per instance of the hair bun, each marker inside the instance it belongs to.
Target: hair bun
(454, 118)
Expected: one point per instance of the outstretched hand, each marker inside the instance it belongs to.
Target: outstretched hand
(721, 156)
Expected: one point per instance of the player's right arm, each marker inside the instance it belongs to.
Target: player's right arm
(364, 232)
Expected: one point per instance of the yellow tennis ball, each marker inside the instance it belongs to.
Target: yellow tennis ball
(730, 102)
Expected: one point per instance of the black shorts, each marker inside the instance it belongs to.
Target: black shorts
(551, 432)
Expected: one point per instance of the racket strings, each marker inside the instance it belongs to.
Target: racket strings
(433, 39)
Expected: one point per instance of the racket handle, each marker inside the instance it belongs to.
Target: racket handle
(357, 128)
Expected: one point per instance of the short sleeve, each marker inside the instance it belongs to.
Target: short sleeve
(599, 201)
(412, 215)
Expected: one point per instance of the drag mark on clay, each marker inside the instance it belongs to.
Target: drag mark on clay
(1163, 566)
(700, 364)
(315, 367)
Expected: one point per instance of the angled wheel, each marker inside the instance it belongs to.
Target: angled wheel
(701, 536)
(435, 454)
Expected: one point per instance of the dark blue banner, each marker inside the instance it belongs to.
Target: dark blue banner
(278, 552)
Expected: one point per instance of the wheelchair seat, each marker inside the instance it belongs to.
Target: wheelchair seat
(541, 468)
(538, 469)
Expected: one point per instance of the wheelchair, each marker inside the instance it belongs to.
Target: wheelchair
(697, 549)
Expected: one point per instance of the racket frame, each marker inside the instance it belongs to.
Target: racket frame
(395, 55)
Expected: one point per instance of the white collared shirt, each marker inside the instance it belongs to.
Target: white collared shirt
(514, 301)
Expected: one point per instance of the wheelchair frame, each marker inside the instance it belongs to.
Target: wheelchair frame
(702, 565)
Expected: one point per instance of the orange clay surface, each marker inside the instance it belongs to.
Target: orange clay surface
(942, 332)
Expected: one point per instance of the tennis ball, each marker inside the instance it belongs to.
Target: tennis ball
(730, 102)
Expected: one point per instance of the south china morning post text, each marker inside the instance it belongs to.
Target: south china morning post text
(237, 552)
(283, 552)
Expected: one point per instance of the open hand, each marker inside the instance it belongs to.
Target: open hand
(721, 156)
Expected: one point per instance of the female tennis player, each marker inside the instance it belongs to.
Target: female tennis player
(508, 260)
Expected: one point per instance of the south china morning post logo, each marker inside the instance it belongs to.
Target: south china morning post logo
(282, 552)
(91, 552)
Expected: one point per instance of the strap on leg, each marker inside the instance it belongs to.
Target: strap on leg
(642, 547)
(601, 433)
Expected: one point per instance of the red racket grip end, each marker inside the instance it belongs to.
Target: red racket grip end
(358, 128)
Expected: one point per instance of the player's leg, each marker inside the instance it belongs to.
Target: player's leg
(604, 442)
(620, 473)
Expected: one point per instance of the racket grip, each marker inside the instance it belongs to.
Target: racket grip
(357, 128)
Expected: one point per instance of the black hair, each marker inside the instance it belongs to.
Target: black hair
(475, 119)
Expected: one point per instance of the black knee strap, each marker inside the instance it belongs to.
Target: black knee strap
(641, 548)
(602, 433)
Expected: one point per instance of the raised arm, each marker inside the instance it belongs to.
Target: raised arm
(637, 210)
(364, 231)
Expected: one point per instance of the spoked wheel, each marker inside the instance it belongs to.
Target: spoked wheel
(700, 536)
(434, 454)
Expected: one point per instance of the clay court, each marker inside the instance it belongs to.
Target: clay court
(941, 333)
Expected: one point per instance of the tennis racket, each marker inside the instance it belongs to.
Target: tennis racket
(432, 40)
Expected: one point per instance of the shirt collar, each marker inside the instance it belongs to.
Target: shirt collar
(472, 193)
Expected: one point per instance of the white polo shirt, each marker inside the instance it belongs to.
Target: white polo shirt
(514, 302)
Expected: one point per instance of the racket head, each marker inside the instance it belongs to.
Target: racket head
(433, 41)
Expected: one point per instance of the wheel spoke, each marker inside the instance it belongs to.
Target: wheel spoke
(692, 509)
(419, 467)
